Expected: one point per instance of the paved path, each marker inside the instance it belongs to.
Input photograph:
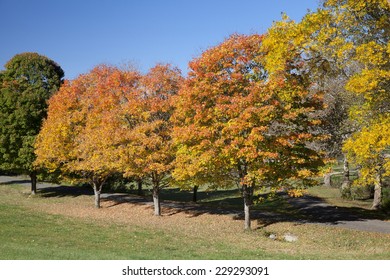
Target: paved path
(320, 212)
(314, 209)
(23, 181)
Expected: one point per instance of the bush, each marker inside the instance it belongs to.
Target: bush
(117, 183)
(362, 192)
(386, 198)
(52, 177)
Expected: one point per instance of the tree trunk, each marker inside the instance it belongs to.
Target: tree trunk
(346, 185)
(97, 184)
(97, 196)
(33, 176)
(156, 201)
(328, 180)
(247, 193)
(247, 214)
(377, 191)
(195, 194)
(139, 185)
(346, 172)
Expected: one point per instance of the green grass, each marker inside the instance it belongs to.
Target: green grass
(333, 196)
(28, 235)
(27, 231)
(230, 198)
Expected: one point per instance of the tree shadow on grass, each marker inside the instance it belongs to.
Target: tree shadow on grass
(45, 189)
(16, 182)
(65, 191)
(175, 201)
(281, 208)
(203, 196)
(119, 198)
(311, 209)
(218, 202)
(316, 209)
(306, 209)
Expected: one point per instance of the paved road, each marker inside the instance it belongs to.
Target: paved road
(314, 209)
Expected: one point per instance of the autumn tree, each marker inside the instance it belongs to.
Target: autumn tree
(351, 38)
(356, 33)
(365, 27)
(369, 148)
(80, 135)
(28, 81)
(328, 66)
(146, 145)
(237, 124)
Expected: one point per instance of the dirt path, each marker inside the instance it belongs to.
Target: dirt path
(314, 210)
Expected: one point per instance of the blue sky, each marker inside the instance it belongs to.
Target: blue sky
(79, 34)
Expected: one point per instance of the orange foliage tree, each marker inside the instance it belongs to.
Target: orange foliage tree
(80, 135)
(235, 123)
(145, 147)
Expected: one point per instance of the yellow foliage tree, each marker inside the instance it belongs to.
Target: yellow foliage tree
(369, 148)
(348, 38)
(365, 29)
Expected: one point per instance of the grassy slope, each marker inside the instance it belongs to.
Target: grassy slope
(28, 231)
(27, 235)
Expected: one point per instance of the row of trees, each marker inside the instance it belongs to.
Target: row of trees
(112, 121)
(229, 122)
(257, 111)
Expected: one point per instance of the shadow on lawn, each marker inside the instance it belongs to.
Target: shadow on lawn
(317, 210)
(48, 190)
(311, 209)
(174, 201)
(65, 191)
(306, 209)
(16, 182)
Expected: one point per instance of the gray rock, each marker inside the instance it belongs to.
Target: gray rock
(290, 237)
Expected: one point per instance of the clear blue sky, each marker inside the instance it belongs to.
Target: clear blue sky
(79, 34)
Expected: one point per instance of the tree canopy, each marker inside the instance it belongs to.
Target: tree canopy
(111, 121)
(80, 134)
(146, 146)
(28, 81)
(345, 48)
(363, 30)
(238, 122)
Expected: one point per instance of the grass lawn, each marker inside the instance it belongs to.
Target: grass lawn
(28, 235)
(68, 227)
